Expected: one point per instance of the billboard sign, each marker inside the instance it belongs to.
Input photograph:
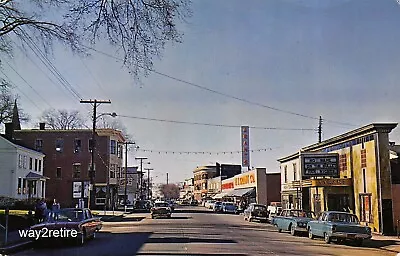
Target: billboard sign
(77, 189)
(319, 165)
(245, 146)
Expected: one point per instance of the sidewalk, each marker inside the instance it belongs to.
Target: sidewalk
(14, 243)
(388, 243)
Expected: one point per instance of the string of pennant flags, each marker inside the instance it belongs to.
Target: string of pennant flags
(166, 152)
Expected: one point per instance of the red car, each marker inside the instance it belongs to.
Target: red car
(68, 223)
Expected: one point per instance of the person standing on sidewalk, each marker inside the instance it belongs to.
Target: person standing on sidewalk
(55, 208)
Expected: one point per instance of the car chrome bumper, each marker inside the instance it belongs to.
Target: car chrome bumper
(351, 235)
(301, 229)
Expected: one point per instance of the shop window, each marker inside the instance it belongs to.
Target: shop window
(58, 173)
(76, 171)
(365, 208)
(363, 158)
(39, 145)
(77, 146)
(343, 163)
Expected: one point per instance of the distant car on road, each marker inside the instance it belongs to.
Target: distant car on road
(340, 226)
(229, 207)
(209, 204)
(161, 209)
(293, 220)
(256, 212)
(79, 219)
(217, 207)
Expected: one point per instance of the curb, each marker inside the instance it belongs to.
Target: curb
(108, 218)
(15, 247)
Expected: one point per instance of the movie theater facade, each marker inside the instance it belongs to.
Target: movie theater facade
(350, 172)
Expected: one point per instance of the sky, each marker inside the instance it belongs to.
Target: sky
(338, 59)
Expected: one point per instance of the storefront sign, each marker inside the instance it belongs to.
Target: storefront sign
(330, 182)
(228, 185)
(320, 165)
(77, 189)
(245, 146)
(245, 180)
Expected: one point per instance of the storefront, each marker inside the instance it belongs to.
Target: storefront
(353, 174)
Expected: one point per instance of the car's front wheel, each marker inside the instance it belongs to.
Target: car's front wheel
(310, 234)
(327, 238)
(292, 230)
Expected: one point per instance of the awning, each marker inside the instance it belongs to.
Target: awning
(241, 192)
(35, 176)
(220, 195)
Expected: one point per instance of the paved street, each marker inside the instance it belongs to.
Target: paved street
(192, 231)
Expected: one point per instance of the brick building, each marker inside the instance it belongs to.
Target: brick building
(68, 161)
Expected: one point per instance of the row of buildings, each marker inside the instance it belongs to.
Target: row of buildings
(56, 164)
(357, 172)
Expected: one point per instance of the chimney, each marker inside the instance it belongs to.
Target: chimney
(9, 131)
(42, 126)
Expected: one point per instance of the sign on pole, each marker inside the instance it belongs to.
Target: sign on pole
(245, 146)
(77, 189)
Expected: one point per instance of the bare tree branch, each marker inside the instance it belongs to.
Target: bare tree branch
(63, 119)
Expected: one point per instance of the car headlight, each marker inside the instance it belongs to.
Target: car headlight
(333, 228)
(368, 230)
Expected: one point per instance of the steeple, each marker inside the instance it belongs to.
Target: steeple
(15, 117)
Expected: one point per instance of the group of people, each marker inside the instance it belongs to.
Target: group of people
(42, 213)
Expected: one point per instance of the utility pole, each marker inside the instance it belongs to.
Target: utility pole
(92, 174)
(167, 178)
(141, 174)
(126, 170)
(148, 181)
(320, 129)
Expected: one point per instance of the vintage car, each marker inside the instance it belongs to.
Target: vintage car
(161, 209)
(256, 212)
(217, 207)
(79, 220)
(340, 226)
(293, 220)
(229, 207)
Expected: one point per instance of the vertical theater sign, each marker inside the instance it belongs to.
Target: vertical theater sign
(245, 146)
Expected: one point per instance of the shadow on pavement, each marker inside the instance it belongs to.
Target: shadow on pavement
(190, 254)
(179, 240)
(182, 210)
(122, 219)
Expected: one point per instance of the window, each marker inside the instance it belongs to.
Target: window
(25, 162)
(363, 158)
(40, 165)
(59, 145)
(365, 208)
(112, 171)
(39, 145)
(23, 186)
(113, 147)
(30, 163)
(33, 184)
(36, 164)
(20, 161)
(77, 146)
(58, 173)
(76, 171)
(294, 171)
(285, 174)
(42, 184)
(90, 145)
(19, 186)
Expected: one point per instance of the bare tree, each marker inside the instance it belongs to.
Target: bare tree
(138, 29)
(63, 119)
(7, 101)
(170, 191)
(112, 123)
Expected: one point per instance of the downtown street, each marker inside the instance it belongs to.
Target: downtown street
(196, 231)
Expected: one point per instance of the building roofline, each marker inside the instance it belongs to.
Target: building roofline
(14, 144)
(364, 130)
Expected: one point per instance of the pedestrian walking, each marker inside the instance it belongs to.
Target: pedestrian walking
(55, 209)
(38, 211)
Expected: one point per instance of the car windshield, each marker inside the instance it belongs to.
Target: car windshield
(70, 215)
(260, 208)
(229, 204)
(161, 205)
(218, 203)
(343, 217)
(300, 213)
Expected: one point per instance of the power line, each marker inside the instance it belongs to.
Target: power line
(216, 125)
(201, 152)
(221, 93)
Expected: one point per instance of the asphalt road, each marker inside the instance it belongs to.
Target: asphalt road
(193, 232)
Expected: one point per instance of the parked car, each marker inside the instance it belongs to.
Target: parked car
(340, 226)
(194, 203)
(293, 220)
(79, 219)
(217, 206)
(161, 209)
(229, 207)
(209, 204)
(256, 212)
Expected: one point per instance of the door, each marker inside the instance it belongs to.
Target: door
(338, 202)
